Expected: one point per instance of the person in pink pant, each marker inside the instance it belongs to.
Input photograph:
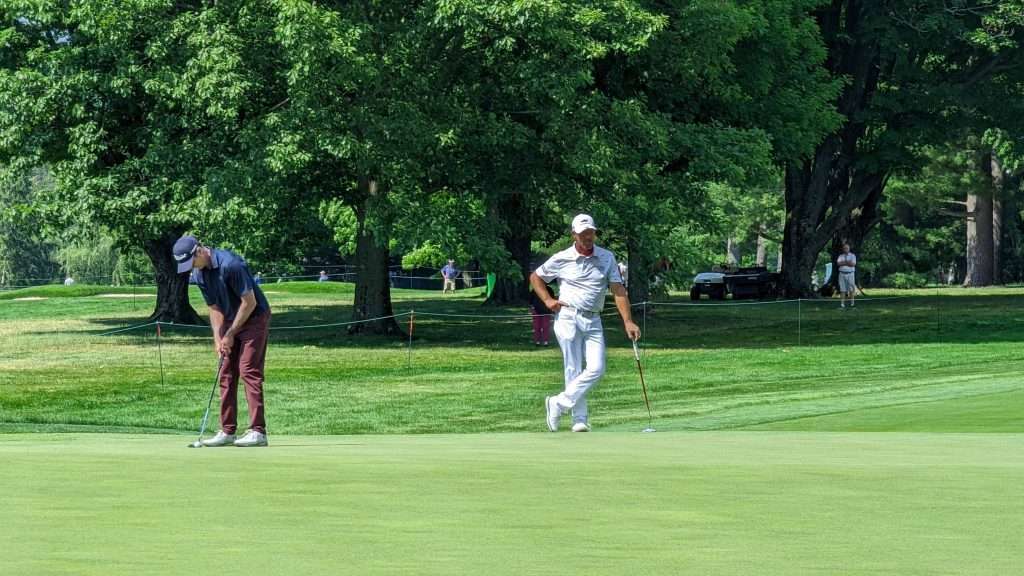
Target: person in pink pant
(541, 318)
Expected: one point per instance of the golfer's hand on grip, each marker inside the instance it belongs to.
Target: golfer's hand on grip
(227, 341)
(632, 330)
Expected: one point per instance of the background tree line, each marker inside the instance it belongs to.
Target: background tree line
(694, 131)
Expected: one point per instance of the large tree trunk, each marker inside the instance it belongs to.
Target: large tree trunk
(733, 255)
(518, 221)
(172, 303)
(980, 251)
(979, 240)
(640, 267)
(998, 190)
(761, 257)
(797, 258)
(373, 290)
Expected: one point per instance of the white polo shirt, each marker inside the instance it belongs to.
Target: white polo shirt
(849, 258)
(582, 280)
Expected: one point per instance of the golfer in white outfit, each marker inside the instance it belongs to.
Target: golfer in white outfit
(584, 273)
(847, 263)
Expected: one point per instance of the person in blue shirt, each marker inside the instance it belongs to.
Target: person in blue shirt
(449, 273)
(240, 319)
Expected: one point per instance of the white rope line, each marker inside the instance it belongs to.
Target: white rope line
(480, 315)
(716, 304)
(129, 328)
(340, 323)
(790, 301)
(498, 316)
(177, 325)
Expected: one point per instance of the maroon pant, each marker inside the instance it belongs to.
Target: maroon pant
(246, 360)
(541, 324)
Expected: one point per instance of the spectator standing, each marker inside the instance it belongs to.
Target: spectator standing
(541, 316)
(847, 263)
(449, 273)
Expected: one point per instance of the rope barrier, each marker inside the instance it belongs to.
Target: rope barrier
(332, 325)
(715, 304)
(305, 326)
(136, 327)
(443, 315)
(770, 302)
(479, 317)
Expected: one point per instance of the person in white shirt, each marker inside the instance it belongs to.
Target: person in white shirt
(585, 272)
(847, 263)
(69, 281)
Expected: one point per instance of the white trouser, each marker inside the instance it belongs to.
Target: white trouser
(582, 341)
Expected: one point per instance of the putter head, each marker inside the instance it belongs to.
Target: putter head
(645, 430)
(196, 444)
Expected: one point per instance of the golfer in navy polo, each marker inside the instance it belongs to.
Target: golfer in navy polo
(240, 319)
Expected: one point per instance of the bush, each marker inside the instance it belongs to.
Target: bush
(905, 280)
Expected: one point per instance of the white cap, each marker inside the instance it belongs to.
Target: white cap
(583, 222)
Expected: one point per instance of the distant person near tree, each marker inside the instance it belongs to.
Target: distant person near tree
(449, 273)
(69, 281)
(847, 263)
(323, 276)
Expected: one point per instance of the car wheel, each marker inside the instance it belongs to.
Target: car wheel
(695, 293)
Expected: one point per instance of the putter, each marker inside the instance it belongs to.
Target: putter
(643, 386)
(202, 427)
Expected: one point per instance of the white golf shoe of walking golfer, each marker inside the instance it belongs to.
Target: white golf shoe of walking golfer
(221, 439)
(252, 438)
(581, 427)
(554, 412)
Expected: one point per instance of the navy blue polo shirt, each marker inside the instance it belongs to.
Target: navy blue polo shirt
(225, 282)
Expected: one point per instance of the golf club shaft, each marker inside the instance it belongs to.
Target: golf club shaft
(643, 385)
(216, 381)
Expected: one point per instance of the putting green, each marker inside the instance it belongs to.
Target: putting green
(999, 412)
(604, 503)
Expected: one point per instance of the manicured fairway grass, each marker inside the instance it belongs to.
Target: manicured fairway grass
(793, 439)
(707, 366)
(725, 503)
(1001, 412)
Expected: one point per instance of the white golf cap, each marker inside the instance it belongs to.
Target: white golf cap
(583, 222)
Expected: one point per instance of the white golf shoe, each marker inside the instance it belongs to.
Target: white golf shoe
(252, 438)
(554, 412)
(581, 427)
(220, 439)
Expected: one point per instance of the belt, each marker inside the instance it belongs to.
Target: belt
(847, 271)
(582, 312)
